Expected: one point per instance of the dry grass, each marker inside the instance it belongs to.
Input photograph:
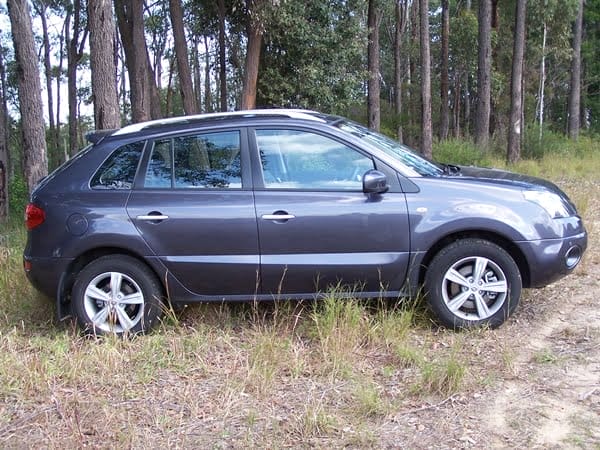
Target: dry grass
(332, 373)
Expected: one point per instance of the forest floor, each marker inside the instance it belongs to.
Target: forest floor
(338, 374)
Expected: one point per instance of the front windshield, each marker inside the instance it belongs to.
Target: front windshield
(396, 150)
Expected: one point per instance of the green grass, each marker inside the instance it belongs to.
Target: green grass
(328, 373)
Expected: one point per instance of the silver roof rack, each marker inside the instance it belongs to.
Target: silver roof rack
(291, 113)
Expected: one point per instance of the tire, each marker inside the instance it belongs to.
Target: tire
(132, 306)
(456, 282)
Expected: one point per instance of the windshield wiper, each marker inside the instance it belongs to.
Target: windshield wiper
(450, 169)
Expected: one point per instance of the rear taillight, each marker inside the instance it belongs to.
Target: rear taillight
(34, 216)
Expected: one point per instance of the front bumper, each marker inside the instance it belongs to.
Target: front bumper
(551, 259)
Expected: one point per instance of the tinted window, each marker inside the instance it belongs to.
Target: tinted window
(209, 160)
(304, 160)
(118, 171)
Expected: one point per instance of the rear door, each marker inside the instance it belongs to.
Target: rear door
(195, 209)
(316, 226)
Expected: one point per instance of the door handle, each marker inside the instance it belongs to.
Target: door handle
(153, 217)
(278, 216)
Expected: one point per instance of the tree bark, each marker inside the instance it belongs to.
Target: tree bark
(190, 105)
(255, 32)
(104, 70)
(4, 155)
(426, 127)
(484, 70)
(222, 61)
(401, 21)
(74, 55)
(208, 107)
(444, 83)
(516, 85)
(35, 161)
(575, 88)
(197, 73)
(144, 93)
(373, 88)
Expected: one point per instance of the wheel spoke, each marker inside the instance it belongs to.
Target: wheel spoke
(497, 286)
(455, 277)
(479, 269)
(456, 303)
(115, 283)
(100, 317)
(97, 294)
(482, 309)
(124, 319)
(132, 299)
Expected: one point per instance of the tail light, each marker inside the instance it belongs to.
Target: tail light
(34, 216)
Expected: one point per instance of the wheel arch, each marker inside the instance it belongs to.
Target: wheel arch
(510, 247)
(63, 298)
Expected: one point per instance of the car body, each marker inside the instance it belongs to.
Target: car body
(273, 204)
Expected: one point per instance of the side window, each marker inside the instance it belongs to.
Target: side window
(118, 171)
(303, 160)
(210, 160)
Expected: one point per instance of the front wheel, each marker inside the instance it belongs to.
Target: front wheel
(116, 294)
(472, 283)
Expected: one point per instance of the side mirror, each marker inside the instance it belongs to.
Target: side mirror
(374, 182)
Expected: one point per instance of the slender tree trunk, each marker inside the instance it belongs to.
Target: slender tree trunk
(542, 88)
(74, 55)
(30, 93)
(222, 60)
(197, 73)
(401, 20)
(207, 89)
(169, 100)
(374, 88)
(516, 86)
(130, 19)
(575, 88)
(426, 126)
(4, 162)
(183, 66)
(457, 109)
(61, 152)
(255, 32)
(444, 83)
(104, 70)
(53, 144)
(482, 123)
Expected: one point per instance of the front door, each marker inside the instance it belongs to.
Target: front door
(317, 229)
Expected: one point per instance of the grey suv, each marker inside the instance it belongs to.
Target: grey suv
(284, 204)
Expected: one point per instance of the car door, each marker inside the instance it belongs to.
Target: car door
(195, 209)
(316, 226)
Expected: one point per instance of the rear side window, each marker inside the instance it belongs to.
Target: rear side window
(210, 160)
(118, 171)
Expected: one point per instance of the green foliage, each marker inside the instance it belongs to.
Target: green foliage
(18, 196)
(458, 151)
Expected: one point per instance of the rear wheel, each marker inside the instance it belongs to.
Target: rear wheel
(471, 283)
(116, 294)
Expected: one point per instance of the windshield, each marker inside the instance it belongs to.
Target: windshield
(396, 150)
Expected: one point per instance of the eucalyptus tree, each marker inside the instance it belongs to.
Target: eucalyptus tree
(426, 125)
(516, 124)
(190, 104)
(575, 85)
(484, 73)
(374, 87)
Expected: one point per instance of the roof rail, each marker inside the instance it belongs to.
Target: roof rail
(291, 113)
(95, 136)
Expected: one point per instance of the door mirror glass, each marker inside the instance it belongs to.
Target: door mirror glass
(374, 182)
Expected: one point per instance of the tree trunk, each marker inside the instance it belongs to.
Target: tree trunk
(222, 61)
(484, 71)
(130, 19)
(255, 31)
(575, 88)
(4, 162)
(103, 68)
(74, 55)
(401, 20)
(197, 73)
(61, 152)
(373, 88)
(516, 86)
(207, 91)
(30, 93)
(190, 105)
(444, 83)
(426, 127)
(542, 88)
(41, 9)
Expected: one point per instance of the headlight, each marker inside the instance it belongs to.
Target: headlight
(552, 203)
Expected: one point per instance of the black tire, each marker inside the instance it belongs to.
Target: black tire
(456, 279)
(132, 306)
